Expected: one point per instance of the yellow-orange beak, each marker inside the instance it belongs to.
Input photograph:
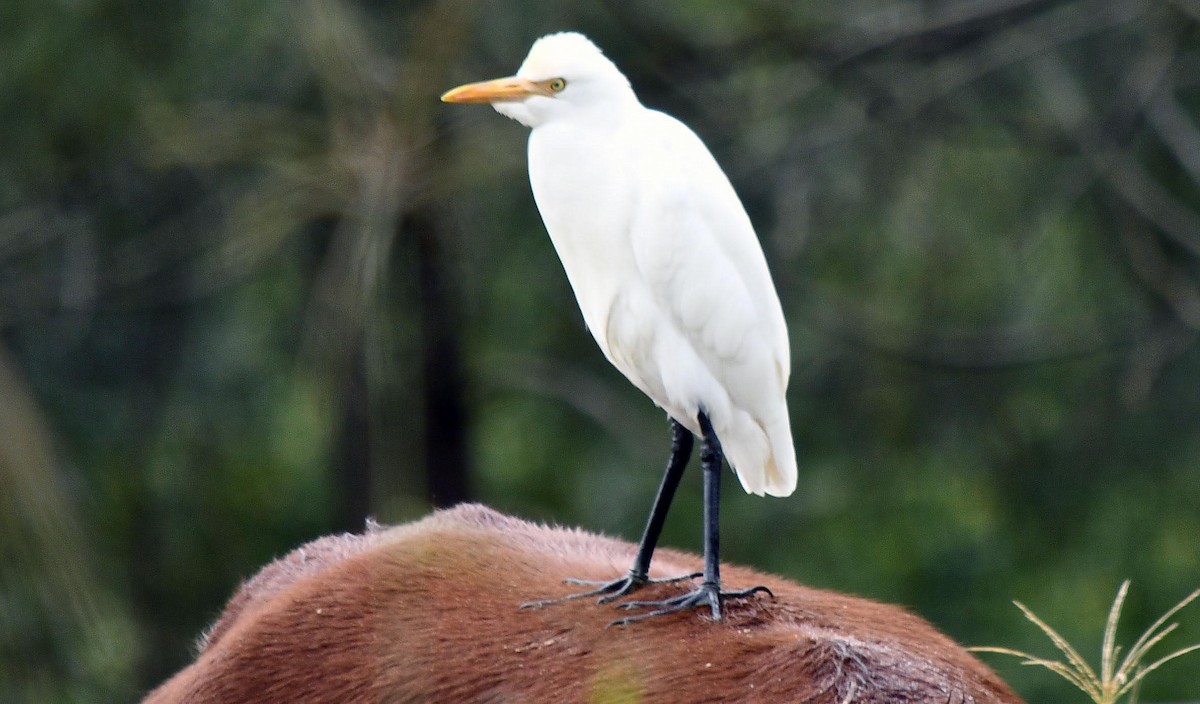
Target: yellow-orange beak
(499, 90)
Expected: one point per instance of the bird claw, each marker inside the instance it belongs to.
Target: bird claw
(707, 594)
(608, 591)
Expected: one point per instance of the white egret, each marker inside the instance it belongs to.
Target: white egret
(670, 278)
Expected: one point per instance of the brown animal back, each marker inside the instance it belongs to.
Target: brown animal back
(428, 612)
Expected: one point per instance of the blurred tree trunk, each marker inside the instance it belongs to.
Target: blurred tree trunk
(444, 389)
(442, 28)
(352, 455)
(394, 142)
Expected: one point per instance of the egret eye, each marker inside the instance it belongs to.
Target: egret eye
(557, 84)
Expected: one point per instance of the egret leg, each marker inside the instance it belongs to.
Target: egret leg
(709, 592)
(638, 575)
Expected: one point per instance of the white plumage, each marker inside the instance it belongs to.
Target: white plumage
(661, 255)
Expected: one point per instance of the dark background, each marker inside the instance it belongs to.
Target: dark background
(257, 283)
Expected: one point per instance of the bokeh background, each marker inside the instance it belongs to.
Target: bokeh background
(257, 283)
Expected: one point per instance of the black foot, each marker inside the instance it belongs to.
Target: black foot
(608, 591)
(708, 594)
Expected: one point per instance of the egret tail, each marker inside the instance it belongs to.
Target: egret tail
(761, 455)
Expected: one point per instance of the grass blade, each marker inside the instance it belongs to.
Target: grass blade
(1108, 647)
(1073, 657)
(1142, 672)
(1062, 669)
(1148, 638)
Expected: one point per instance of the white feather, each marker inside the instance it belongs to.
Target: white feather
(662, 257)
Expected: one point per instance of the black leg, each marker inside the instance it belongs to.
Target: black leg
(709, 592)
(710, 462)
(681, 450)
(638, 576)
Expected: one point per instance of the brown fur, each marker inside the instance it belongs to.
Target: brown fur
(427, 612)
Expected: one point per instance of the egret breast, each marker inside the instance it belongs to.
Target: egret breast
(585, 204)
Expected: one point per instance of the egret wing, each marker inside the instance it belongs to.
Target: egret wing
(696, 248)
(719, 340)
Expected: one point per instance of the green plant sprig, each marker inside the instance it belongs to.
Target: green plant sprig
(1114, 680)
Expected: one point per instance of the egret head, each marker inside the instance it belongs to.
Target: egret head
(565, 74)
